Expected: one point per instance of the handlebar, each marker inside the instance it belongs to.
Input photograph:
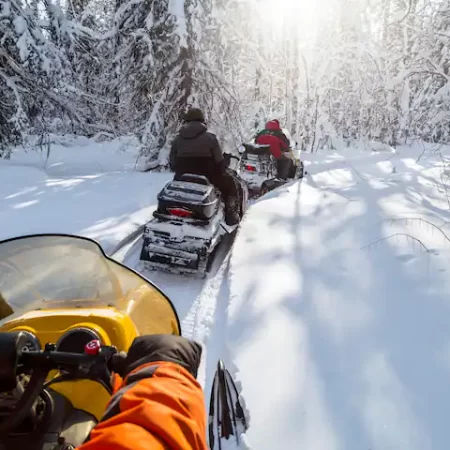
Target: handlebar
(96, 363)
(231, 156)
(107, 357)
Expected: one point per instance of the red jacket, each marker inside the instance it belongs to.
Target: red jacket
(273, 136)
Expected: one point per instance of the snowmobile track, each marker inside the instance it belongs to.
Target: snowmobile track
(193, 297)
(201, 305)
(118, 249)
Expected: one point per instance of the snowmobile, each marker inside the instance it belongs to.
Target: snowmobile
(189, 224)
(258, 168)
(70, 313)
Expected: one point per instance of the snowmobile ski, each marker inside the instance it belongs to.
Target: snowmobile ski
(230, 229)
(226, 414)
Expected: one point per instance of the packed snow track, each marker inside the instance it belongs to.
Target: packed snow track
(198, 301)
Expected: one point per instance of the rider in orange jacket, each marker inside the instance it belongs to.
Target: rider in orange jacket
(159, 405)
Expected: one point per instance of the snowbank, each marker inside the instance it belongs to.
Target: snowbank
(85, 188)
(77, 155)
(338, 321)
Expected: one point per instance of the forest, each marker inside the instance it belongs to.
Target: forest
(334, 72)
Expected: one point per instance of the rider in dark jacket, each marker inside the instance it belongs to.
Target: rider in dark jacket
(196, 150)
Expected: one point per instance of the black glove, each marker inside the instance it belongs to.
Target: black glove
(164, 347)
(226, 159)
(221, 166)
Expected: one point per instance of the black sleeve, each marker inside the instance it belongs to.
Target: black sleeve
(217, 152)
(164, 347)
(285, 140)
(173, 155)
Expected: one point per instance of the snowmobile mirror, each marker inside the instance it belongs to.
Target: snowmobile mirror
(241, 149)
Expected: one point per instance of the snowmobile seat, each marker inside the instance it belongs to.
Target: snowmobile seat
(194, 178)
(259, 150)
(190, 197)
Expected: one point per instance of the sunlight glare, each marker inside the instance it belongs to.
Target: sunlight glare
(305, 18)
(279, 13)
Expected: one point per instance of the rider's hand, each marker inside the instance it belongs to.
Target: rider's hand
(164, 347)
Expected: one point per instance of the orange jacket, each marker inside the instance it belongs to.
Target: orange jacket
(159, 406)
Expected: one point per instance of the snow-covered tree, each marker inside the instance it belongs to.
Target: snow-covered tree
(35, 73)
(354, 70)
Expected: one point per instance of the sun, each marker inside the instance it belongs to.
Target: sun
(283, 13)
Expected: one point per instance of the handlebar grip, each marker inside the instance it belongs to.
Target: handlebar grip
(231, 156)
(118, 363)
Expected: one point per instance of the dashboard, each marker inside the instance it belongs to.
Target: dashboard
(71, 329)
(72, 341)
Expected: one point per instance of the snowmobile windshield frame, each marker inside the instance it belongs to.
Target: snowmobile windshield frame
(60, 271)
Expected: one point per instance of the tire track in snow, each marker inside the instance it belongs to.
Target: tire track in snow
(196, 300)
(202, 318)
(127, 246)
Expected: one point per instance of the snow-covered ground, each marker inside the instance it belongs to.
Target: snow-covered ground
(338, 318)
(86, 188)
(331, 309)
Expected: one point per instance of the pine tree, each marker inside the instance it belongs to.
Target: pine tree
(32, 71)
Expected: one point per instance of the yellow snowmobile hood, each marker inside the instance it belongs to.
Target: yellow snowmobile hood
(63, 272)
(64, 290)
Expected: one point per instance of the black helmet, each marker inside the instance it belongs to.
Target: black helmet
(194, 115)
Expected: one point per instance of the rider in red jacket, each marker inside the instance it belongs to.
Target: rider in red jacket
(273, 135)
(279, 144)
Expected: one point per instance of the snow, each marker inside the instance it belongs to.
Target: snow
(331, 308)
(177, 8)
(337, 324)
(85, 188)
(20, 25)
(22, 45)
(5, 9)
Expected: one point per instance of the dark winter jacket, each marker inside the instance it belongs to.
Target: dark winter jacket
(273, 135)
(195, 150)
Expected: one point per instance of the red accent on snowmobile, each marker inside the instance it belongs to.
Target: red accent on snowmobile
(250, 168)
(93, 347)
(180, 212)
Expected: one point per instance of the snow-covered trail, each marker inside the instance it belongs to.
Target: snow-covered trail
(200, 303)
(338, 323)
